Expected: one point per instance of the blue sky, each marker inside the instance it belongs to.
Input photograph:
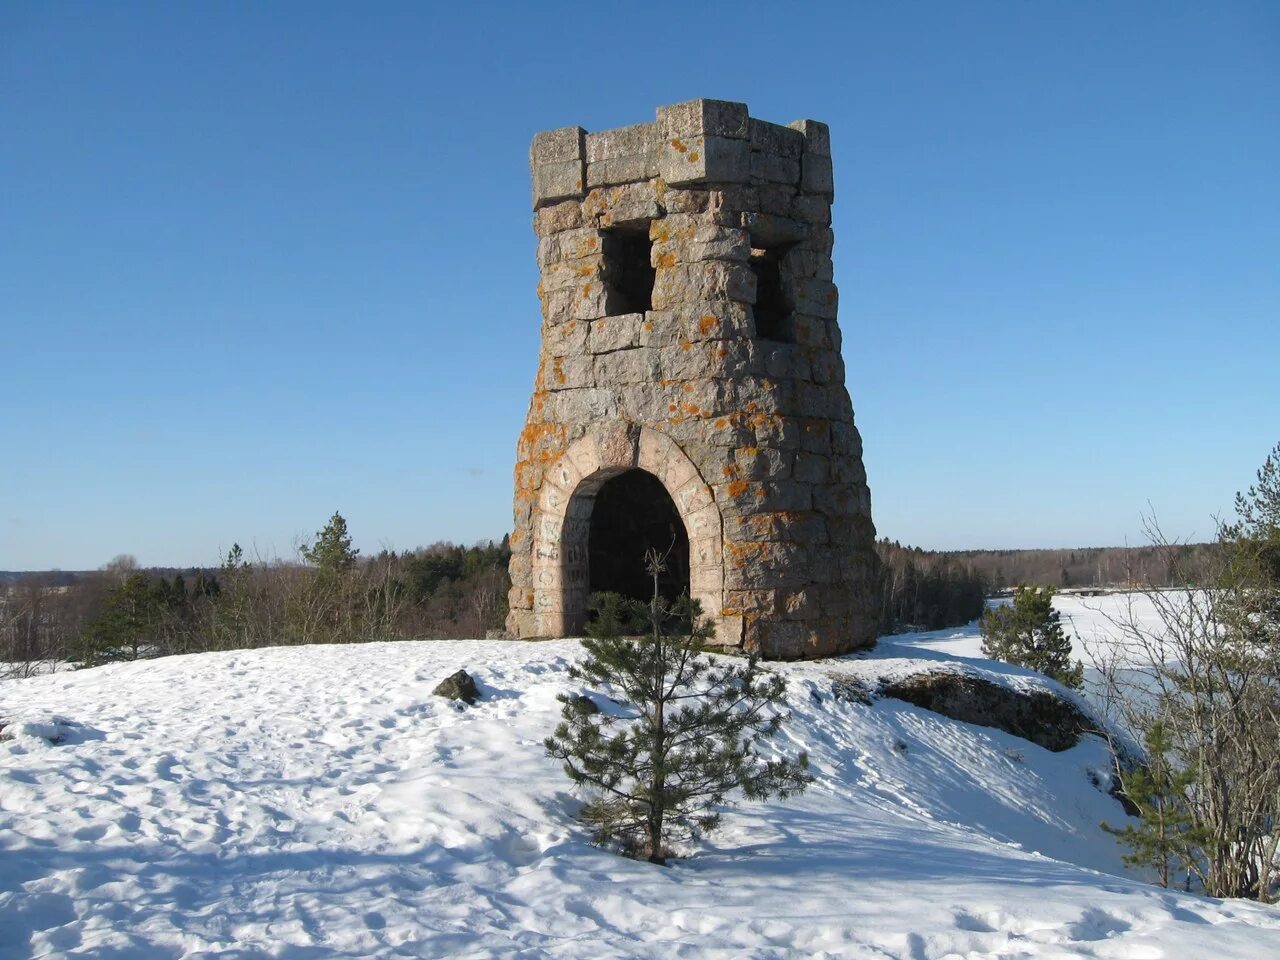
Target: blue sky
(261, 262)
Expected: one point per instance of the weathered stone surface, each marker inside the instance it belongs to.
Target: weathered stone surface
(704, 159)
(688, 238)
(817, 136)
(719, 118)
(458, 686)
(1041, 716)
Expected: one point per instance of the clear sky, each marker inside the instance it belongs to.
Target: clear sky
(259, 262)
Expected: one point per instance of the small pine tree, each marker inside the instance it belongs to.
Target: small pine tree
(1029, 633)
(331, 551)
(1164, 835)
(691, 740)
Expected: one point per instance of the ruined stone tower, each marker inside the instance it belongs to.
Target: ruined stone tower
(690, 390)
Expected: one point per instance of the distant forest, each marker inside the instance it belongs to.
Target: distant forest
(330, 594)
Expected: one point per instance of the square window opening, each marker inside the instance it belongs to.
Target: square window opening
(628, 269)
(773, 306)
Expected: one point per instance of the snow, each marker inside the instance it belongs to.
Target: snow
(320, 802)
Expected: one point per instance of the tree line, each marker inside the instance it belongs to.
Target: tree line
(328, 593)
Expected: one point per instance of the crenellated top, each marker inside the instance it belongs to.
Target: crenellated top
(689, 144)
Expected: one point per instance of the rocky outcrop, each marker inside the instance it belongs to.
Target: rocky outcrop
(1038, 715)
(458, 686)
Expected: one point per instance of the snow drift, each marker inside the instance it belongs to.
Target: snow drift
(320, 802)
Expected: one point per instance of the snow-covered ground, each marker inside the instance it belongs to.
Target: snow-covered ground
(320, 802)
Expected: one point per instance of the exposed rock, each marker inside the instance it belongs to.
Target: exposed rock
(459, 686)
(583, 705)
(1041, 716)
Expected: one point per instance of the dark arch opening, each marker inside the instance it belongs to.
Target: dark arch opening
(633, 512)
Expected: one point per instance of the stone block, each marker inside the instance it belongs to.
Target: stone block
(773, 138)
(557, 181)
(624, 155)
(784, 361)
(769, 230)
(556, 217)
(772, 169)
(614, 333)
(817, 136)
(816, 176)
(566, 245)
(565, 339)
(827, 367)
(729, 631)
(660, 328)
(812, 208)
(713, 320)
(704, 159)
(622, 142)
(637, 365)
(718, 118)
(701, 282)
(817, 298)
(708, 242)
(812, 468)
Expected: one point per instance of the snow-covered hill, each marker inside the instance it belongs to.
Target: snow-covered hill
(320, 802)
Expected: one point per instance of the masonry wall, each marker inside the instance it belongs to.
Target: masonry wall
(741, 401)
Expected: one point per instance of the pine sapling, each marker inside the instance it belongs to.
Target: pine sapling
(690, 736)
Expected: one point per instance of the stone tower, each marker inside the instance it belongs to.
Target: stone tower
(690, 390)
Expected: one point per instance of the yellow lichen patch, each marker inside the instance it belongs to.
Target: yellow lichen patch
(557, 367)
(685, 344)
(722, 423)
(586, 270)
(667, 260)
(693, 158)
(678, 144)
(740, 553)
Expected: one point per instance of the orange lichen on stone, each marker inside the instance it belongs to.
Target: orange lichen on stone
(737, 488)
(667, 260)
(707, 324)
(648, 326)
(721, 423)
(678, 144)
(685, 344)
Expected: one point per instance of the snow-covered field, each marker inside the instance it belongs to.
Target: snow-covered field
(320, 802)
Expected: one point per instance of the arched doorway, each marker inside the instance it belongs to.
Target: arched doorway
(633, 514)
(561, 564)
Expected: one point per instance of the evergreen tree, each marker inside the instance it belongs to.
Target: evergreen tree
(1164, 835)
(690, 739)
(128, 624)
(1029, 633)
(331, 552)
